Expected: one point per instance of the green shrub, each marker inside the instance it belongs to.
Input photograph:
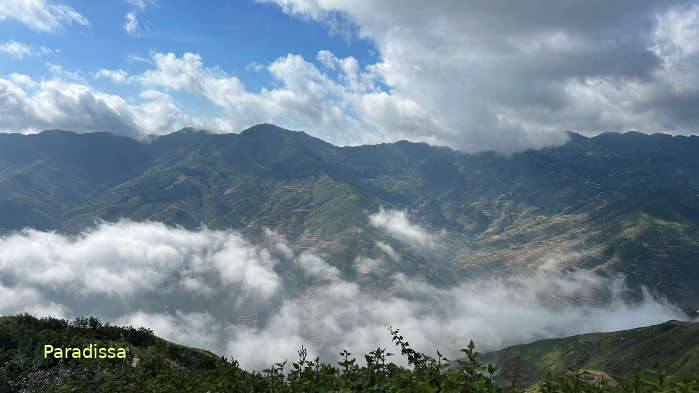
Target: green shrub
(156, 365)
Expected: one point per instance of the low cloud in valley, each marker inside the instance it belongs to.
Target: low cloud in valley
(220, 291)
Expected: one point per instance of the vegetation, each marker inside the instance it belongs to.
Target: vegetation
(672, 347)
(155, 365)
(616, 203)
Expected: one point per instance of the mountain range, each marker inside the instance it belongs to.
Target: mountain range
(613, 203)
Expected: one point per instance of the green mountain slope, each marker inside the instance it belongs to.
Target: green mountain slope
(672, 347)
(155, 365)
(151, 364)
(614, 203)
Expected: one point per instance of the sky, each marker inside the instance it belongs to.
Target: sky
(474, 75)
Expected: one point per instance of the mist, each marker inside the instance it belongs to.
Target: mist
(259, 301)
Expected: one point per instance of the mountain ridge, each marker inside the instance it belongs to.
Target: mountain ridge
(672, 347)
(613, 203)
(267, 127)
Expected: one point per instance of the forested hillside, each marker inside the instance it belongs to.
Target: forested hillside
(614, 203)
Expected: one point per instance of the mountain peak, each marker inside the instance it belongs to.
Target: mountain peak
(268, 129)
(270, 133)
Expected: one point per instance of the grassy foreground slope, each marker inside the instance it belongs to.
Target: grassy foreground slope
(156, 365)
(672, 347)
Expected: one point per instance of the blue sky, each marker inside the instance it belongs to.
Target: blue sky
(474, 75)
(232, 35)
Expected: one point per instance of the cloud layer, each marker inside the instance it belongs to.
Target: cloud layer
(258, 302)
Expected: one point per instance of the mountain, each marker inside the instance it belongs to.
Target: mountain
(672, 347)
(613, 203)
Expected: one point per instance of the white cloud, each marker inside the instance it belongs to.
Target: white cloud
(254, 66)
(21, 50)
(316, 268)
(305, 99)
(58, 72)
(366, 265)
(28, 299)
(141, 4)
(41, 15)
(116, 76)
(397, 224)
(67, 102)
(466, 75)
(22, 79)
(15, 49)
(219, 291)
(493, 313)
(131, 23)
(490, 75)
(387, 249)
(676, 35)
(343, 110)
(146, 256)
(199, 329)
(446, 75)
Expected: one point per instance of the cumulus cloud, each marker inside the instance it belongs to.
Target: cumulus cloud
(66, 101)
(148, 256)
(22, 79)
(343, 109)
(21, 50)
(41, 15)
(467, 75)
(220, 291)
(305, 99)
(492, 75)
